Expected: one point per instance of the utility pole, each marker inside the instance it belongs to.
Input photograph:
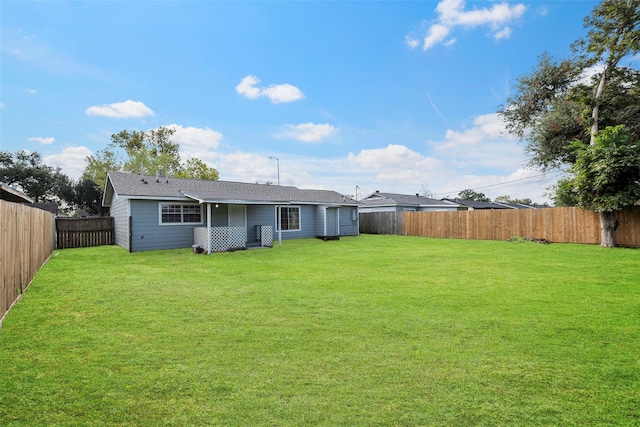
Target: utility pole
(278, 162)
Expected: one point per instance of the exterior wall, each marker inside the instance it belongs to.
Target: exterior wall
(120, 212)
(332, 222)
(148, 234)
(349, 226)
(259, 215)
(367, 209)
(219, 216)
(319, 220)
(439, 209)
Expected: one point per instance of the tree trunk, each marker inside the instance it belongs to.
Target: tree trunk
(608, 225)
(595, 113)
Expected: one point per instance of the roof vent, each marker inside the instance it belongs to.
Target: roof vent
(417, 195)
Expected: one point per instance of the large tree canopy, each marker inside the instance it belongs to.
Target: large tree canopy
(473, 195)
(560, 107)
(26, 172)
(606, 175)
(144, 152)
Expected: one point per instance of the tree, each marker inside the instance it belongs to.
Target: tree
(196, 168)
(87, 196)
(606, 175)
(508, 199)
(144, 152)
(425, 191)
(555, 108)
(472, 195)
(26, 172)
(562, 193)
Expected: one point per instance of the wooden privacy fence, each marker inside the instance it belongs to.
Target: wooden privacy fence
(84, 232)
(561, 225)
(27, 238)
(381, 223)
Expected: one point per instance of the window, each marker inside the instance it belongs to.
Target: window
(180, 214)
(289, 218)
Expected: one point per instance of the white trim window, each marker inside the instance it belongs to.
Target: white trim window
(180, 213)
(289, 218)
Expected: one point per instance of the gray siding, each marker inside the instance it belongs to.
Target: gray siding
(349, 226)
(307, 225)
(120, 216)
(219, 216)
(148, 234)
(260, 215)
(318, 221)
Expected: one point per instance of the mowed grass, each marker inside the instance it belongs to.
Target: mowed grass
(364, 331)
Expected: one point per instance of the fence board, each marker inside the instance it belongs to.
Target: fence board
(381, 223)
(84, 232)
(561, 225)
(26, 241)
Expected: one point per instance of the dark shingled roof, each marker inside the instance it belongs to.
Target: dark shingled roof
(135, 186)
(393, 199)
(480, 205)
(10, 194)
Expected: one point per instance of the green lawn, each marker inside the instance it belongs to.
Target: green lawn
(364, 331)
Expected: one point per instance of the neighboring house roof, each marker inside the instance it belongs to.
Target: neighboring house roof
(49, 207)
(481, 205)
(516, 205)
(134, 186)
(379, 199)
(10, 194)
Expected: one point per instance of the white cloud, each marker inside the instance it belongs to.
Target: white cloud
(41, 140)
(192, 137)
(437, 34)
(282, 93)
(277, 93)
(308, 132)
(452, 14)
(1, 104)
(487, 127)
(589, 73)
(126, 109)
(505, 33)
(30, 49)
(197, 142)
(247, 87)
(396, 164)
(412, 42)
(72, 160)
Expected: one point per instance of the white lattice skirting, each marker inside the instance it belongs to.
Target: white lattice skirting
(266, 236)
(229, 238)
(225, 238)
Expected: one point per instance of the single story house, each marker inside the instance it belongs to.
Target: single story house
(475, 205)
(393, 202)
(154, 212)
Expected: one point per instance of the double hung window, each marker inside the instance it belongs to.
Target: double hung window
(289, 218)
(176, 213)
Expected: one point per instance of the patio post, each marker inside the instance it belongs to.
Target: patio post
(208, 228)
(279, 225)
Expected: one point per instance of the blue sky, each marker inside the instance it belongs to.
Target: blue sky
(396, 96)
